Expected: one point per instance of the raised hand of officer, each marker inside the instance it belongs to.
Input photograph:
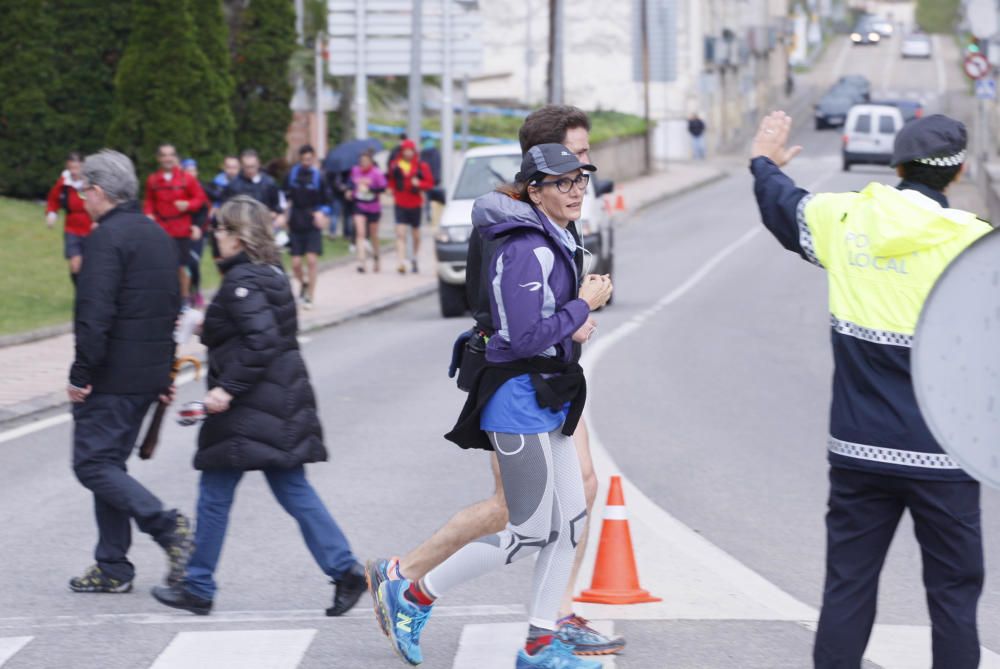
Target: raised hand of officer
(772, 137)
(596, 290)
(217, 400)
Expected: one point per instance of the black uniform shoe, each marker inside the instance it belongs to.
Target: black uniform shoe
(96, 580)
(178, 544)
(179, 598)
(348, 591)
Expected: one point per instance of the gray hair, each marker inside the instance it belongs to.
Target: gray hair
(114, 173)
(250, 221)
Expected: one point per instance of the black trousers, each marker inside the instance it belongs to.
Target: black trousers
(864, 511)
(105, 428)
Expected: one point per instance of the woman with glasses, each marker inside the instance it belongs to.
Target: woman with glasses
(261, 412)
(525, 405)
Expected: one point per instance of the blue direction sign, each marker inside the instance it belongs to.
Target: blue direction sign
(986, 89)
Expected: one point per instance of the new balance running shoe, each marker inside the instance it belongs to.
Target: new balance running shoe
(583, 639)
(404, 618)
(556, 655)
(377, 573)
(95, 580)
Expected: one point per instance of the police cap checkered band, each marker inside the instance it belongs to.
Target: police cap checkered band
(943, 161)
(934, 140)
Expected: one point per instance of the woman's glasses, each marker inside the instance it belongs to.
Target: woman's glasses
(566, 184)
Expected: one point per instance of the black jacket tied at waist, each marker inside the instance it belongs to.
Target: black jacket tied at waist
(555, 383)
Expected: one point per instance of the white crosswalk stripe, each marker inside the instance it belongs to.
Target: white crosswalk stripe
(248, 649)
(9, 647)
(494, 646)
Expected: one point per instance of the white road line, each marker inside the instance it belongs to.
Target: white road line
(247, 649)
(494, 646)
(10, 646)
(45, 423)
(233, 617)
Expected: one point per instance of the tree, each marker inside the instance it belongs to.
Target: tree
(937, 16)
(264, 45)
(165, 91)
(31, 159)
(212, 34)
(89, 40)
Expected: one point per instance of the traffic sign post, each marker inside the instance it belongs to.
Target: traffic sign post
(976, 66)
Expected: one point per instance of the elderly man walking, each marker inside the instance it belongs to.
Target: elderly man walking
(126, 302)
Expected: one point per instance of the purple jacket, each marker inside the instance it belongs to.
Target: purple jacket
(534, 282)
(376, 184)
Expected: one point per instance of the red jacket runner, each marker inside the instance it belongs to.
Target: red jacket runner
(405, 194)
(162, 193)
(64, 196)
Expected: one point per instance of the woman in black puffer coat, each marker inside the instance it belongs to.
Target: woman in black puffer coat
(261, 412)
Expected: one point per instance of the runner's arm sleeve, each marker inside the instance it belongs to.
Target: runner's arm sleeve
(96, 306)
(526, 295)
(781, 204)
(325, 196)
(258, 338)
(52, 201)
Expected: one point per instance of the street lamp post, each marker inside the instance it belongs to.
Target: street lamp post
(415, 90)
(361, 77)
(447, 100)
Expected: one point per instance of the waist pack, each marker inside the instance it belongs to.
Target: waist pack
(468, 358)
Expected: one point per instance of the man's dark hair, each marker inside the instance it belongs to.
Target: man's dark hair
(937, 178)
(164, 145)
(549, 125)
(249, 153)
(306, 149)
(74, 156)
(229, 157)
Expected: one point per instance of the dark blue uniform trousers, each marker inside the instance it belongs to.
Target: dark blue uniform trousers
(104, 434)
(864, 510)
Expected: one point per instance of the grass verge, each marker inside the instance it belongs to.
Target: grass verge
(34, 278)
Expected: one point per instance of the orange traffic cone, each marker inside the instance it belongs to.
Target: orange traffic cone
(619, 202)
(616, 579)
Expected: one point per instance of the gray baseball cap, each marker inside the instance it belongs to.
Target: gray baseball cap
(554, 159)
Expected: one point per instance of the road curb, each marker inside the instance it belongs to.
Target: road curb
(666, 197)
(26, 411)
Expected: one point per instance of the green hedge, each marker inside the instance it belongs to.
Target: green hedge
(937, 16)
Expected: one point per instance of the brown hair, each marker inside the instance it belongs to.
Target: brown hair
(549, 125)
(250, 221)
(517, 190)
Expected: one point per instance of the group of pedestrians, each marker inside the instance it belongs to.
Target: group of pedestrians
(526, 389)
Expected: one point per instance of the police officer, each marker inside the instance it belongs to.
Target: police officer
(883, 248)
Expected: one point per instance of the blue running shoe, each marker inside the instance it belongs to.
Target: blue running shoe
(405, 619)
(577, 633)
(377, 572)
(556, 655)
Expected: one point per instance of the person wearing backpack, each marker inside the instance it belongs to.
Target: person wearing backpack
(65, 196)
(309, 197)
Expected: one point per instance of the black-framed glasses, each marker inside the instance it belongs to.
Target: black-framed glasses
(566, 184)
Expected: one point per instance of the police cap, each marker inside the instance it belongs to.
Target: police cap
(934, 140)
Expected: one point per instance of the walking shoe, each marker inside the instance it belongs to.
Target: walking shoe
(348, 590)
(402, 268)
(405, 619)
(178, 544)
(556, 655)
(303, 291)
(178, 598)
(583, 639)
(415, 270)
(307, 304)
(95, 580)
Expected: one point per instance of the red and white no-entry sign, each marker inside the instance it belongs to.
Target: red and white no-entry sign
(976, 66)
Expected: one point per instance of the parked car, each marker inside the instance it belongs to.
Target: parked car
(883, 27)
(482, 170)
(870, 133)
(912, 109)
(916, 45)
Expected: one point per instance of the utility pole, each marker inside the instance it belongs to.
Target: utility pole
(447, 100)
(361, 77)
(465, 113)
(320, 68)
(644, 32)
(529, 54)
(556, 32)
(415, 90)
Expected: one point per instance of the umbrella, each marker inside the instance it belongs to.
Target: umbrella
(345, 156)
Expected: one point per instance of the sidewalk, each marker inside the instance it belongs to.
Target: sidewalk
(35, 373)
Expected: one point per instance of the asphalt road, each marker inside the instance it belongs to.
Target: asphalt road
(715, 407)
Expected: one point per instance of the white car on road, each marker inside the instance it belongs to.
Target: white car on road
(916, 45)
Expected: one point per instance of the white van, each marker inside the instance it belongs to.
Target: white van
(870, 133)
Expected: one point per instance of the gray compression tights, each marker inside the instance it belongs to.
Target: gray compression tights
(544, 490)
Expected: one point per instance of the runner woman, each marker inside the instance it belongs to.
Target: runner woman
(64, 195)
(525, 406)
